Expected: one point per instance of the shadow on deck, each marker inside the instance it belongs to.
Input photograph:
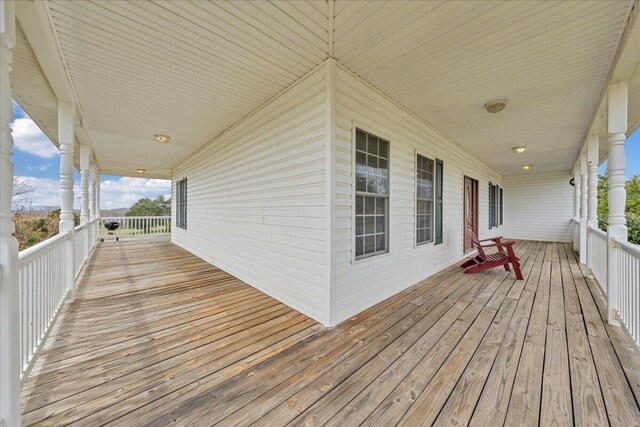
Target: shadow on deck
(157, 336)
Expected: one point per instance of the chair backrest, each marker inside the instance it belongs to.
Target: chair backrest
(474, 239)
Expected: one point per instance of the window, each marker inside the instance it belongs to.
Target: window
(501, 211)
(425, 195)
(372, 195)
(439, 194)
(495, 206)
(181, 203)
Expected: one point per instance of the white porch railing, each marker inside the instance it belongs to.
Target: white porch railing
(42, 286)
(628, 274)
(139, 225)
(42, 290)
(597, 255)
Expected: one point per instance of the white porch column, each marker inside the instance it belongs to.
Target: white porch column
(583, 208)
(9, 316)
(593, 147)
(92, 192)
(85, 152)
(66, 137)
(97, 194)
(576, 206)
(616, 165)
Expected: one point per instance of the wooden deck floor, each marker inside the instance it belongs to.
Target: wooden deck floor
(158, 337)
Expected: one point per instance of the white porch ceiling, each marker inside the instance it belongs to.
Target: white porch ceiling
(193, 69)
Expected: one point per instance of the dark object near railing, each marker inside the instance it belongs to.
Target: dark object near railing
(111, 227)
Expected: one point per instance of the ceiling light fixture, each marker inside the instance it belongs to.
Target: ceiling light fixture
(162, 139)
(141, 170)
(496, 106)
(519, 149)
(527, 167)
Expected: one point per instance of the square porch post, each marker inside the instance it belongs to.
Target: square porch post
(92, 192)
(583, 207)
(576, 207)
(9, 316)
(617, 195)
(85, 153)
(66, 137)
(97, 181)
(592, 180)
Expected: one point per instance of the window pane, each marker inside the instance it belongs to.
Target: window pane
(369, 224)
(359, 205)
(372, 147)
(359, 246)
(370, 205)
(359, 226)
(370, 244)
(383, 148)
(361, 140)
(380, 242)
(380, 205)
(361, 178)
(380, 224)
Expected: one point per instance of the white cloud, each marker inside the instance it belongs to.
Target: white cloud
(41, 167)
(117, 193)
(125, 191)
(28, 137)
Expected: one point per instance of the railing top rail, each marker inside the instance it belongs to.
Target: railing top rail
(598, 232)
(28, 254)
(630, 248)
(81, 226)
(577, 221)
(136, 217)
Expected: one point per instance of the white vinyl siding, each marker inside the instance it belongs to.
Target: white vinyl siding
(538, 207)
(257, 199)
(361, 284)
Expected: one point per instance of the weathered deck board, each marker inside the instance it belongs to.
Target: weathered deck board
(157, 336)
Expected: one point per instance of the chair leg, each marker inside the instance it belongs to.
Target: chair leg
(506, 267)
(515, 263)
(468, 263)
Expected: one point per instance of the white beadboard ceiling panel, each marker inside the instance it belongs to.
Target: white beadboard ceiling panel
(192, 69)
(444, 60)
(186, 69)
(31, 89)
(633, 112)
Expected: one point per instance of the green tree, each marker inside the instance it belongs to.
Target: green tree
(151, 207)
(632, 208)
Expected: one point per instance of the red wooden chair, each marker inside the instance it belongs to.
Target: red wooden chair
(482, 261)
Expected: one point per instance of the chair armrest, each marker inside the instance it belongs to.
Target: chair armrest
(493, 239)
(508, 243)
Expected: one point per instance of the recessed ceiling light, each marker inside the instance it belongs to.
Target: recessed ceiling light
(496, 106)
(527, 167)
(162, 139)
(141, 170)
(519, 150)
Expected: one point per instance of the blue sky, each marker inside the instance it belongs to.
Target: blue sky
(632, 151)
(37, 161)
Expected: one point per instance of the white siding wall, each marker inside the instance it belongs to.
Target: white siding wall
(256, 199)
(538, 207)
(363, 283)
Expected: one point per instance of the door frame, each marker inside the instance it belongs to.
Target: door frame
(474, 207)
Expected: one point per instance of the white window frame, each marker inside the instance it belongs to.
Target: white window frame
(383, 135)
(433, 158)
